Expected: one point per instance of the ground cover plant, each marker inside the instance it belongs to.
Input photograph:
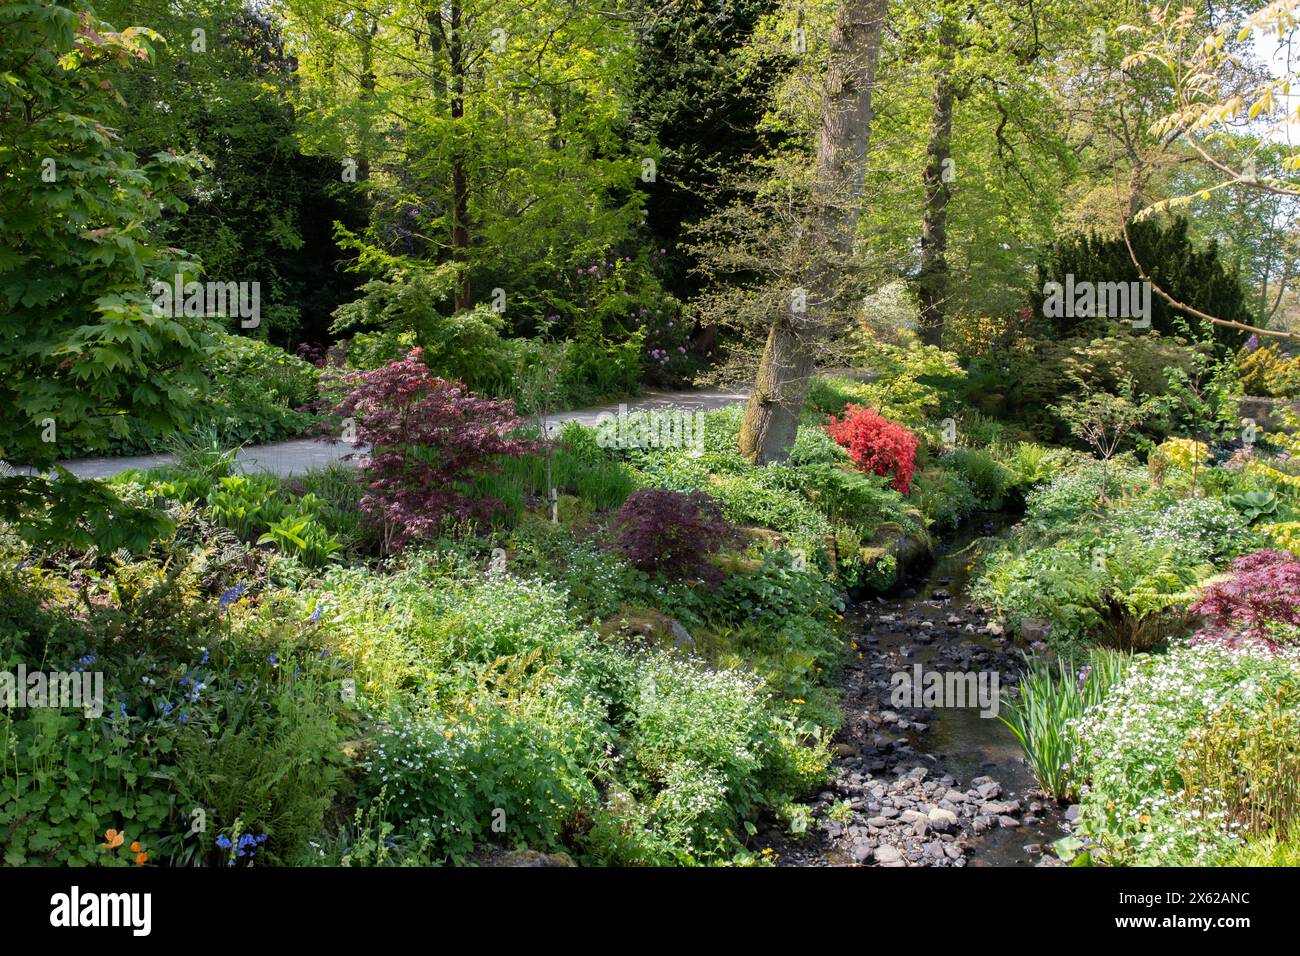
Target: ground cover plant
(544, 404)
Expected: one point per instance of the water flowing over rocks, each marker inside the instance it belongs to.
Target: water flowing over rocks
(917, 786)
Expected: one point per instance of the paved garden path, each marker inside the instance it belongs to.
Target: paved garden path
(302, 454)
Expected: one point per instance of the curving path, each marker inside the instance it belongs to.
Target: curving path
(298, 455)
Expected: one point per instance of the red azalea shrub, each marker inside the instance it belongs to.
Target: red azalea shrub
(876, 444)
(672, 533)
(1264, 590)
(429, 439)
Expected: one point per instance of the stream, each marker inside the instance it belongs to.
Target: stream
(926, 786)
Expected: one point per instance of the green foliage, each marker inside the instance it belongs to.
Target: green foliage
(83, 356)
(257, 393)
(67, 779)
(263, 209)
(1197, 277)
(1051, 696)
(1154, 724)
(1120, 574)
(272, 763)
(1247, 761)
(987, 477)
(912, 383)
(945, 498)
(79, 514)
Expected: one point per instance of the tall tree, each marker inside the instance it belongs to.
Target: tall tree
(825, 239)
(497, 137)
(932, 278)
(83, 353)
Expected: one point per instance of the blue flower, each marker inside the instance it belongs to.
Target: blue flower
(223, 841)
(229, 597)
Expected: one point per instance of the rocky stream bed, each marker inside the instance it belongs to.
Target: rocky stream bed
(940, 786)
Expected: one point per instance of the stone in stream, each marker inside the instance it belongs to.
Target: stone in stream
(1035, 630)
(942, 819)
(887, 855)
(1000, 808)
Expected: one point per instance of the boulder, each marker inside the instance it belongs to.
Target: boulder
(648, 626)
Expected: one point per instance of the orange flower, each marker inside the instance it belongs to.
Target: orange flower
(135, 846)
(142, 858)
(113, 839)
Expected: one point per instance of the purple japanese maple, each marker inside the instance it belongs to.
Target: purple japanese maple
(429, 439)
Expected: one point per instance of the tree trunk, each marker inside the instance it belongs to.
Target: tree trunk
(932, 279)
(463, 297)
(772, 415)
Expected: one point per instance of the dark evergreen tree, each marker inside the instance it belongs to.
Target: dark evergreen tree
(692, 99)
(1192, 275)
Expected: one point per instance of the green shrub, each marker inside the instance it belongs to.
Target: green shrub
(812, 446)
(775, 593)
(1246, 761)
(848, 496)
(945, 498)
(1076, 494)
(269, 763)
(829, 394)
(985, 475)
(1125, 591)
(518, 774)
(255, 395)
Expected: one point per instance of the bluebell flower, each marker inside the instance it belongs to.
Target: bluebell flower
(223, 841)
(229, 597)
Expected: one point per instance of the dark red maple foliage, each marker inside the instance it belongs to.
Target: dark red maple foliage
(429, 439)
(672, 533)
(1263, 589)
